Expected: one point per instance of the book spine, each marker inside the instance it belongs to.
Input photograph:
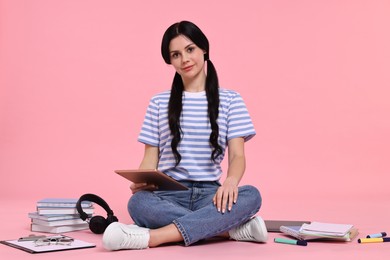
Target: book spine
(59, 211)
(35, 215)
(62, 205)
(57, 230)
(58, 222)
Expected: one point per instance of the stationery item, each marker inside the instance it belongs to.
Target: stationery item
(31, 237)
(48, 244)
(61, 203)
(59, 215)
(274, 225)
(156, 177)
(374, 240)
(55, 217)
(290, 241)
(59, 229)
(57, 223)
(62, 211)
(325, 229)
(381, 234)
(294, 231)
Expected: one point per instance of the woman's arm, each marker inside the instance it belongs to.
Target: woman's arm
(149, 161)
(227, 194)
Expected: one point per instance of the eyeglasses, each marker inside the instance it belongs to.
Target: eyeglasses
(67, 241)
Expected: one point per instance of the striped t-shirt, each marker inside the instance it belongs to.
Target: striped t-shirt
(195, 149)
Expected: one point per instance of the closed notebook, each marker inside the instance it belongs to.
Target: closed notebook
(294, 231)
(59, 229)
(62, 202)
(57, 223)
(327, 229)
(59, 211)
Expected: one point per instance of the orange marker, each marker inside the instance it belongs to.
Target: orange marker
(374, 240)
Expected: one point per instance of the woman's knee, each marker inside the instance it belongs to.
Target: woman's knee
(251, 195)
(137, 203)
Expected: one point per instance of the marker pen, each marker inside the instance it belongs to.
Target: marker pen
(381, 234)
(374, 240)
(290, 241)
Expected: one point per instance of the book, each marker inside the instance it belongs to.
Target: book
(35, 215)
(56, 223)
(62, 202)
(30, 247)
(59, 229)
(327, 229)
(294, 231)
(62, 211)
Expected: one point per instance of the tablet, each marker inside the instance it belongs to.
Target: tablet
(156, 177)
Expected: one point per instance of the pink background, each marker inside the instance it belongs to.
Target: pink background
(76, 77)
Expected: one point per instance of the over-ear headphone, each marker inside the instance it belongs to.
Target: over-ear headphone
(97, 224)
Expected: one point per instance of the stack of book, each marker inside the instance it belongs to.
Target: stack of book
(319, 230)
(59, 215)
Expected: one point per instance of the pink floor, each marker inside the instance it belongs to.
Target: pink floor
(370, 214)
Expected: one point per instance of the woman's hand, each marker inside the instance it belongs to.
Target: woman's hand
(226, 195)
(135, 187)
(149, 161)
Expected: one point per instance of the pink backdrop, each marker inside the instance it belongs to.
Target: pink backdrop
(76, 77)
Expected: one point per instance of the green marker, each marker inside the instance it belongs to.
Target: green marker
(290, 241)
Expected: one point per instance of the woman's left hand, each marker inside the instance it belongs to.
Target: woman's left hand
(226, 195)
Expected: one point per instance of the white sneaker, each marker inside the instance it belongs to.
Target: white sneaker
(120, 236)
(252, 230)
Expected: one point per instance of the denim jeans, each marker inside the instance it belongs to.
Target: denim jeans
(193, 211)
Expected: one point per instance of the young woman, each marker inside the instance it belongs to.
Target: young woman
(186, 131)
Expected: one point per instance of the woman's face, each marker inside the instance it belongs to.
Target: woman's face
(186, 57)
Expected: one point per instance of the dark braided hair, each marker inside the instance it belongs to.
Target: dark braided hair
(175, 105)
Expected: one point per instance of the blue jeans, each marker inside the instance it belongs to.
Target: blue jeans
(192, 211)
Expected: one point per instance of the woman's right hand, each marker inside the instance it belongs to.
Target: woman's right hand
(149, 161)
(136, 187)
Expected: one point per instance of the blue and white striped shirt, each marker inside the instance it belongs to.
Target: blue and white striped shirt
(196, 163)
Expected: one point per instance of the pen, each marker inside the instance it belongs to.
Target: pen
(30, 238)
(290, 241)
(374, 240)
(381, 234)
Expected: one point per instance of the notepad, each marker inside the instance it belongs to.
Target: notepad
(294, 232)
(330, 229)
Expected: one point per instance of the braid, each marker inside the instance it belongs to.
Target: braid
(175, 107)
(212, 93)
